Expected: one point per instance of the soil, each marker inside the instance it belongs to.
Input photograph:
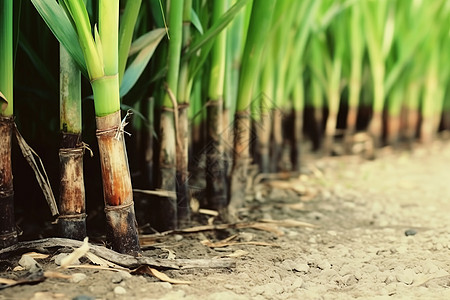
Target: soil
(381, 231)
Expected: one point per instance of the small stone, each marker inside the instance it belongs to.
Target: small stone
(118, 290)
(118, 277)
(246, 236)
(178, 237)
(28, 263)
(77, 277)
(288, 264)
(83, 297)
(297, 284)
(407, 276)
(324, 265)
(60, 256)
(301, 267)
(332, 232)
(410, 232)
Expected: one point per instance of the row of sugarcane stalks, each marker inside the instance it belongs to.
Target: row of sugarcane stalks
(220, 86)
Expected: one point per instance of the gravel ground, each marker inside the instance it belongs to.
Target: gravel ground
(381, 232)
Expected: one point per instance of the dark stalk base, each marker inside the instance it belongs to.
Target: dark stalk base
(72, 228)
(121, 232)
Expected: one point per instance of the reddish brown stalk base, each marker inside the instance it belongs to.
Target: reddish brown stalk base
(393, 130)
(375, 129)
(262, 150)
(411, 123)
(72, 208)
(330, 131)
(117, 191)
(8, 233)
(351, 129)
(426, 130)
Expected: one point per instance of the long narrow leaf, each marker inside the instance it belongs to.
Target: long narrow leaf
(212, 32)
(135, 69)
(58, 22)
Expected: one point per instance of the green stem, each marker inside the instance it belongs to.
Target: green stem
(6, 56)
(127, 24)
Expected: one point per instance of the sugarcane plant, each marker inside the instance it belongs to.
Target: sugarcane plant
(354, 57)
(260, 19)
(72, 204)
(216, 189)
(99, 59)
(8, 232)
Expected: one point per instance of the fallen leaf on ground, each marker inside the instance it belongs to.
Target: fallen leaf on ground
(237, 253)
(53, 274)
(37, 255)
(49, 296)
(296, 206)
(289, 223)
(161, 276)
(101, 261)
(95, 267)
(76, 254)
(210, 212)
(229, 242)
(7, 281)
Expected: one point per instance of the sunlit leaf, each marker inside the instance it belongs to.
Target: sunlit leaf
(146, 46)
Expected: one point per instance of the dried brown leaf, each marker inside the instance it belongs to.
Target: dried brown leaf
(49, 296)
(101, 261)
(53, 274)
(8, 281)
(37, 255)
(222, 244)
(161, 276)
(210, 212)
(76, 254)
(237, 253)
(94, 267)
(289, 223)
(296, 206)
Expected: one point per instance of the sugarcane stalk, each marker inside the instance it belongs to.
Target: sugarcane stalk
(72, 207)
(264, 130)
(215, 167)
(8, 233)
(168, 132)
(184, 91)
(355, 79)
(258, 28)
(101, 56)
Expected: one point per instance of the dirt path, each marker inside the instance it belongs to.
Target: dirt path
(363, 211)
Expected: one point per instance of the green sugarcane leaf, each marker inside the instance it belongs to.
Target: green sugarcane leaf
(217, 27)
(61, 26)
(196, 21)
(145, 52)
(98, 43)
(144, 40)
(127, 24)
